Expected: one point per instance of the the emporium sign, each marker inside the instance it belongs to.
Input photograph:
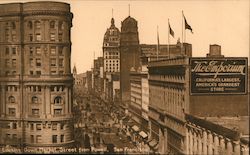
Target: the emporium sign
(218, 76)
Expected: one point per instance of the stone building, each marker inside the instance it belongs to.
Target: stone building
(170, 99)
(35, 75)
(111, 58)
(129, 56)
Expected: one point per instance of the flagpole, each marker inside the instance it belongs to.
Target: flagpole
(182, 30)
(168, 39)
(157, 47)
(182, 27)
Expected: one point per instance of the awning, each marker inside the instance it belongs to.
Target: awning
(143, 134)
(135, 128)
(153, 143)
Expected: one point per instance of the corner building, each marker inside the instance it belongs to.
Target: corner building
(35, 77)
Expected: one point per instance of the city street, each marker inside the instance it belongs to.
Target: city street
(96, 130)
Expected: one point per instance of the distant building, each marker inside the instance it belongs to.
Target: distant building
(98, 77)
(35, 74)
(111, 56)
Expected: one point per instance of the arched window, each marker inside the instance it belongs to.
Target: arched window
(34, 99)
(12, 99)
(58, 100)
(52, 24)
(30, 25)
(37, 24)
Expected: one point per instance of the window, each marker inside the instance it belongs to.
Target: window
(60, 50)
(52, 24)
(11, 99)
(52, 37)
(53, 62)
(54, 126)
(13, 25)
(7, 63)
(53, 50)
(37, 24)
(60, 36)
(38, 62)
(7, 51)
(38, 138)
(38, 73)
(61, 62)
(62, 138)
(57, 111)
(13, 37)
(32, 138)
(38, 37)
(34, 99)
(30, 37)
(60, 72)
(7, 73)
(38, 126)
(14, 136)
(62, 125)
(31, 51)
(14, 126)
(38, 50)
(31, 126)
(14, 51)
(52, 72)
(13, 62)
(31, 63)
(58, 100)
(54, 138)
(30, 25)
(35, 111)
(12, 111)
(60, 25)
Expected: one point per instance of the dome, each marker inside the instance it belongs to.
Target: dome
(129, 24)
(112, 35)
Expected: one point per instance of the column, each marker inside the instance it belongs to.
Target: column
(229, 147)
(66, 101)
(191, 146)
(199, 151)
(210, 141)
(222, 144)
(236, 148)
(204, 142)
(216, 144)
(3, 108)
(187, 141)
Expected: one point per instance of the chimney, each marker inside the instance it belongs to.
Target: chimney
(214, 51)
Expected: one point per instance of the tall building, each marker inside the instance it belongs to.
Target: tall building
(35, 75)
(111, 56)
(129, 55)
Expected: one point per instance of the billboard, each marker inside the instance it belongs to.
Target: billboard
(218, 76)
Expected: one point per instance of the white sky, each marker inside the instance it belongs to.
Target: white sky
(223, 22)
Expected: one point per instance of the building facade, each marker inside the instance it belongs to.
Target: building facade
(36, 80)
(129, 56)
(170, 99)
(111, 56)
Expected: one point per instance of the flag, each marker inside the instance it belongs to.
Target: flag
(187, 26)
(170, 30)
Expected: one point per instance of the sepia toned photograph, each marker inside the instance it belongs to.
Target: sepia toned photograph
(129, 77)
